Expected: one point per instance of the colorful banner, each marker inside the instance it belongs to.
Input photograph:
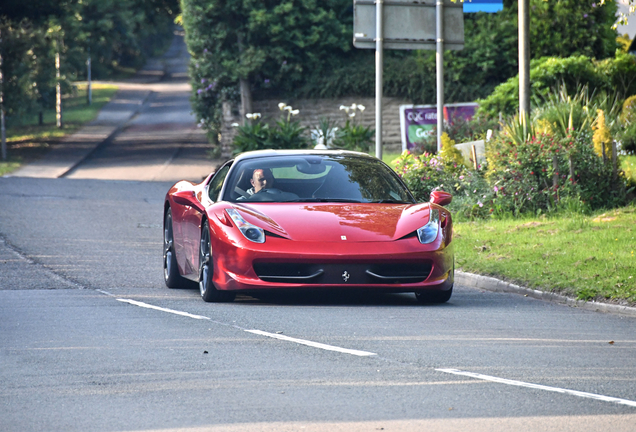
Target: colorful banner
(419, 121)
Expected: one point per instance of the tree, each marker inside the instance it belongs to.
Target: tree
(118, 32)
(244, 46)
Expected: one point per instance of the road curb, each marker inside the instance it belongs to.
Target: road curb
(493, 284)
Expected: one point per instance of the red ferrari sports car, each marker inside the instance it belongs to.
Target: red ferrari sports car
(294, 219)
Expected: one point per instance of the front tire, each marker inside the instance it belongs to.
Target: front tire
(434, 297)
(171, 275)
(209, 293)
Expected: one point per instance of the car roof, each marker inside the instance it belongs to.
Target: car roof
(268, 153)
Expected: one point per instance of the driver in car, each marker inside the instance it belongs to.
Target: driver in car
(262, 179)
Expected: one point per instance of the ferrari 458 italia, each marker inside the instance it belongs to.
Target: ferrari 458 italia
(298, 219)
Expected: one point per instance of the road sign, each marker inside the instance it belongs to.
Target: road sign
(418, 121)
(488, 6)
(408, 24)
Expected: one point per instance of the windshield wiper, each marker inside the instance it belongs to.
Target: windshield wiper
(391, 201)
(340, 200)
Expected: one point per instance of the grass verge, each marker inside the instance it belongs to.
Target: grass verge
(628, 164)
(388, 158)
(586, 257)
(30, 141)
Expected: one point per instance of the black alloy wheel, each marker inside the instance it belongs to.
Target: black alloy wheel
(171, 275)
(209, 293)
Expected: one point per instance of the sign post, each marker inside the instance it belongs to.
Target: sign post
(379, 67)
(407, 25)
(439, 63)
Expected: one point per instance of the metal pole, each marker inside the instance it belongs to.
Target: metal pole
(89, 87)
(379, 63)
(3, 138)
(524, 59)
(439, 60)
(58, 90)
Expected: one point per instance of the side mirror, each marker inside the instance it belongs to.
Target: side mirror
(185, 197)
(441, 198)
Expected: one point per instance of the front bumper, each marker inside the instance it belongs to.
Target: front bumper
(403, 265)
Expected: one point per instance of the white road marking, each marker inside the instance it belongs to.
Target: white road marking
(172, 311)
(313, 344)
(258, 332)
(540, 387)
(368, 354)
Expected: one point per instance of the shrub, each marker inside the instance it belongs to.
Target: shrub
(353, 136)
(251, 136)
(627, 138)
(615, 75)
(628, 113)
(546, 171)
(427, 172)
(285, 134)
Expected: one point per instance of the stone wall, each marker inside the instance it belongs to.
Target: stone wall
(312, 110)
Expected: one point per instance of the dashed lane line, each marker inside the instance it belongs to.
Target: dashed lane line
(257, 332)
(313, 344)
(369, 354)
(540, 387)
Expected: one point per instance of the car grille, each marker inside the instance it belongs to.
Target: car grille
(331, 273)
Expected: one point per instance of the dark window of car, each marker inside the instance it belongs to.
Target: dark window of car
(318, 178)
(217, 182)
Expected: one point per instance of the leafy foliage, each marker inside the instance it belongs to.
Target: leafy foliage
(614, 75)
(285, 134)
(292, 49)
(275, 44)
(117, 33)
(547, 163)
(354, 137)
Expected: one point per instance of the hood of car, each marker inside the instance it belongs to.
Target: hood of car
(337, 222)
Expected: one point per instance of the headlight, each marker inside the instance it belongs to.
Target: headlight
(251, 232)
(428, 233)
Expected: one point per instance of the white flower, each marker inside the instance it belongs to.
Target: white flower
(294, 112)
(235, 125)
(282, 106)
(345, 108)
(288, 108)
(352, 114)
(354, 106)
(249, 115)
(361, 107)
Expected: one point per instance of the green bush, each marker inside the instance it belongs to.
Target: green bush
(354, 137)
(546, 173)
(627, 138)
(285, 134)
(615, 75)
(428, 172)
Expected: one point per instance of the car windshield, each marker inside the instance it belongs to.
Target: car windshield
(315, 178)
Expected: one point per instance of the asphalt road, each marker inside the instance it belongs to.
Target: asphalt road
(74, 356)
(92, 340)
(162, 141)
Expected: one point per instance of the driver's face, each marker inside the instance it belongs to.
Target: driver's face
(262, 180)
